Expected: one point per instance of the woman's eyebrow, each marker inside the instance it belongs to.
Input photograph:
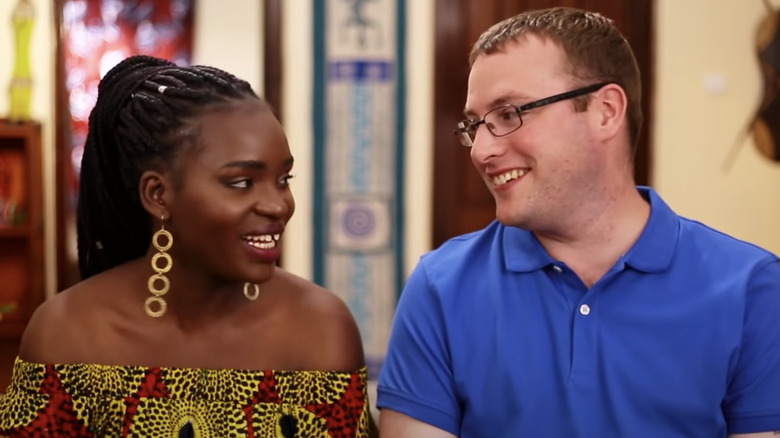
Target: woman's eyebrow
(254, 164)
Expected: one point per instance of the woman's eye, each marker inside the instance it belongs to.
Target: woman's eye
(285, 180)
(240, 183)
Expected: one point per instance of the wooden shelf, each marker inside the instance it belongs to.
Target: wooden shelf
(21, 245)
(17, 130)
(14, 231)
(12, 329)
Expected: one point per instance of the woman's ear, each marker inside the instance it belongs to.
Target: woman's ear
(154, 191)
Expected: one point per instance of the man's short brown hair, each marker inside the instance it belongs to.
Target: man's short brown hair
(595, 49)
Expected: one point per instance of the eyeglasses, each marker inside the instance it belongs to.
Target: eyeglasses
(506, 119)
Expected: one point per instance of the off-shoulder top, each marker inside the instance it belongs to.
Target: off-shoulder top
(90, 400)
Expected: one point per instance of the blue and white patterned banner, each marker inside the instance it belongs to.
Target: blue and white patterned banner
(359, 126)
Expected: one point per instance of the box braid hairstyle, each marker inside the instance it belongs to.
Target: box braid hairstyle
(142, 118)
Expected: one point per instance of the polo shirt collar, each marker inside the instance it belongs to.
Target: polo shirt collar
(655, 248)
(652, 252)
(523, 252)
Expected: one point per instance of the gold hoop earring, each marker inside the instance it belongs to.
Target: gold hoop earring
(251, 296)
(156, 300)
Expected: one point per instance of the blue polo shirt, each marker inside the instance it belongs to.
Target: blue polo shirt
(681, 338)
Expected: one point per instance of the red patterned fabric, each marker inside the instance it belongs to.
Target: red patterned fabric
(86, 400)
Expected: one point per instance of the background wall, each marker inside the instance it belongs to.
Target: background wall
(707, 85)
(229, 35)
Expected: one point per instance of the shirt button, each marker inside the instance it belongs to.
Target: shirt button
(557, 269)
(585, 309)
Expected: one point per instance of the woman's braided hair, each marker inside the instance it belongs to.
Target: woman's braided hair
(139, 122)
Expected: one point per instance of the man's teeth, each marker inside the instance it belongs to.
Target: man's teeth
(263, 241)
(509, 176)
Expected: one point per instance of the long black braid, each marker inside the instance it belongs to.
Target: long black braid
(138, 121)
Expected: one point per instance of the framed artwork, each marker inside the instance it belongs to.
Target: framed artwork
(94, 35)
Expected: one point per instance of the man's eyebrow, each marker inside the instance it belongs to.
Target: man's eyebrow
(503, 100)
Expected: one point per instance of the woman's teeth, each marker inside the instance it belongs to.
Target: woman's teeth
(263, 241)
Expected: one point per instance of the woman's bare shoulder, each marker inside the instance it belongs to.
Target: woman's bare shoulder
(314, 300)
(327, 324)
(48, 329)
(59, 326)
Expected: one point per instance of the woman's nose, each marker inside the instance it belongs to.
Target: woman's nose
(273, 202)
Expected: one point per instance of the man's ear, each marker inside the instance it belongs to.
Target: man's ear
(612, 106)
(154, 190)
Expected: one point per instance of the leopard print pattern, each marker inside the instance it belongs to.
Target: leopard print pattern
(87, 400)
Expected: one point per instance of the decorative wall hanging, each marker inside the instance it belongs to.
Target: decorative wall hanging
(358, 116)
(765, 123)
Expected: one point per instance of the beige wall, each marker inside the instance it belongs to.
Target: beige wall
(707, 85)
(697, 124)
(229, 35)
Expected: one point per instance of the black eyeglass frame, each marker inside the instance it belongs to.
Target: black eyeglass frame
(467, 126)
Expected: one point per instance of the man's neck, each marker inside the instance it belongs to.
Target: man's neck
(601, 235)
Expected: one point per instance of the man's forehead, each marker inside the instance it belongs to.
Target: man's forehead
(518, 73)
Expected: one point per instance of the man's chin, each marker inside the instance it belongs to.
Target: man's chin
(512, 219)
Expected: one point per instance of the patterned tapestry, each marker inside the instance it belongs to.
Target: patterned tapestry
(358, 118)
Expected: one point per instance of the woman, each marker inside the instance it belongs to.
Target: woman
(183, 325)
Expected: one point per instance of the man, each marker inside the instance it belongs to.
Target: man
(589, 308)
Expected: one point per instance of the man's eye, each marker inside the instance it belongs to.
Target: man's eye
(508, 114)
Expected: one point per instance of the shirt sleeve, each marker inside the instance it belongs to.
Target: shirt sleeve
(752, 403)
(416, 378)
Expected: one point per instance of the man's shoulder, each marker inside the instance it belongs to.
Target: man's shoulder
(698, 236)
(463, 255)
